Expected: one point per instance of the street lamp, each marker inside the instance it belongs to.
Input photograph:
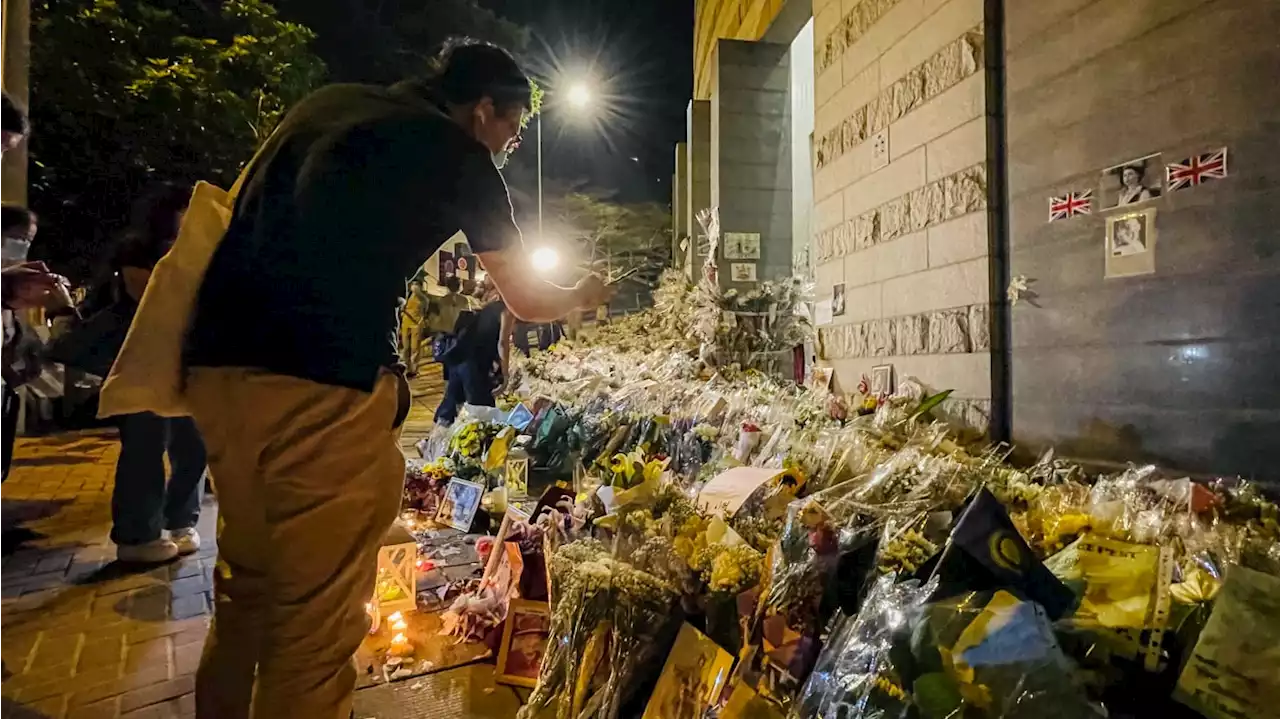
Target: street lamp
(545, 259)
(579, 97)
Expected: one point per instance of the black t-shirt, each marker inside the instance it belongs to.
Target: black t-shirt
(357, 187)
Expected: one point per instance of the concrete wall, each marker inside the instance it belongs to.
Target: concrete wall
(751, 152)
(680, 214)
(698, 133)
(715, 20)
(900, 191)
(1178, 366)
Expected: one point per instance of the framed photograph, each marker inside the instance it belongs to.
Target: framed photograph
(524, 641)
(742, 245)
(1131, 244)
(742, 271)
(1132, 182)
(459, 504)
(881, 380)
(692, 678)
(837, 300)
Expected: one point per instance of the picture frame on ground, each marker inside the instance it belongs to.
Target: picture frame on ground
(881, 380)
(692, 678)
(524, 641)
(1130, 244)
(459, 504)
(1133, 182)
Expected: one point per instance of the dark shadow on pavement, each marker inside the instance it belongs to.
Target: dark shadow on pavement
(13, 710)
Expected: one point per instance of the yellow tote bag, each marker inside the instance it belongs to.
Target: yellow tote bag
(148, 374)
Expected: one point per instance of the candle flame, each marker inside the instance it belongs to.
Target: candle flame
(399, 639)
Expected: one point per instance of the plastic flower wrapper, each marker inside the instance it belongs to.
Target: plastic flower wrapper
(1124, 595)
(1231, 672)
(854, 676)
(800, 566)
(581, 581)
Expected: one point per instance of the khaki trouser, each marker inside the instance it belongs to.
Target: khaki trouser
(308, 479)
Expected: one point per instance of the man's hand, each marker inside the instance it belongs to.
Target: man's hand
(30, 285)
(591, 292)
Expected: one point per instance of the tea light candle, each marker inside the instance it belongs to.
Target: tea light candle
(400, 646)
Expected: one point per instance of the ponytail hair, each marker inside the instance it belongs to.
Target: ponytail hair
(466, 70)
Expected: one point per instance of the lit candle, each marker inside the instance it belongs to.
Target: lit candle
(400, 646)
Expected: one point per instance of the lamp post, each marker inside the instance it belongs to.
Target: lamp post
(579, 97)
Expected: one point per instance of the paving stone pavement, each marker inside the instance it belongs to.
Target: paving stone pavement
(80, 636)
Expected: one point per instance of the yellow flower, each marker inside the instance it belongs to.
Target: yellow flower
(653, 469)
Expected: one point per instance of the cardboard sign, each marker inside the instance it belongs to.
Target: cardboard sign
(1232, 671)
(731, 488)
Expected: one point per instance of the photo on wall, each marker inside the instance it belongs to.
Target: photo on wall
(742, 245)
(1132, 182)
(837, 300)
(1131, 244)
(742, 271)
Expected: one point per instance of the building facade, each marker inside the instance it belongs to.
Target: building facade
(1063, 211)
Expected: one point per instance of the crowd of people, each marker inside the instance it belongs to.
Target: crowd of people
(296, 358)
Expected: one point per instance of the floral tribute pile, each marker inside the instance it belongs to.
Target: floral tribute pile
(869, 564)
(866, 564)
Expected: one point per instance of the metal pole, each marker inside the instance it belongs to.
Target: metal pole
(540, 235)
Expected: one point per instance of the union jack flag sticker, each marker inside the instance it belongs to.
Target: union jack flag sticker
(1074, 203)
(1197, 170)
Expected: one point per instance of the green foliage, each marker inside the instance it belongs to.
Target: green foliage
(616, 237)
(128, 92)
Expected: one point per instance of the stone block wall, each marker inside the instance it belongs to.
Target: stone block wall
(900, 192)
(751, 151)
(1176, 367)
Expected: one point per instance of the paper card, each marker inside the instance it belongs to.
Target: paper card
(692, 678)
(822, 314)
(1232, 671)
(744, 703)
(731, 488)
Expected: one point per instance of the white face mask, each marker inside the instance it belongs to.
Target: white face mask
(14, 251)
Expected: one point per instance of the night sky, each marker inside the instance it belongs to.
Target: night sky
(639, 52)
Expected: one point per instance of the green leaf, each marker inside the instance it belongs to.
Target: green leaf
(928, 404)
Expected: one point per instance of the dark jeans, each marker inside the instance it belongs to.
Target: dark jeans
(141, 504)
(467, 382)
(12, 404)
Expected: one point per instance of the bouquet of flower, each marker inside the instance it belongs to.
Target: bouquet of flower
(424, 484)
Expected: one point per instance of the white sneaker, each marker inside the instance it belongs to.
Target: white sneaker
(156, 551)
(188, 540)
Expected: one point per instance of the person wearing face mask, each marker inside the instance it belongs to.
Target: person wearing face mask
(291, 350)
(25, 286)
